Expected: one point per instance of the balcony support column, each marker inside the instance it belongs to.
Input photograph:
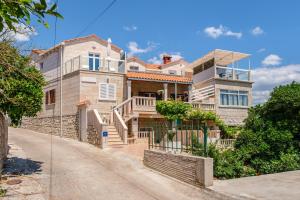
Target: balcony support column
(165, 91)
(128, 89)
(190, 93)
(175, 91)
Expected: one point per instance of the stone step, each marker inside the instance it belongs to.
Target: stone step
(115, 143)
(114, 140)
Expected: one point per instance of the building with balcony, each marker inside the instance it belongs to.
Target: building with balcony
(218, 79)
(93, 88)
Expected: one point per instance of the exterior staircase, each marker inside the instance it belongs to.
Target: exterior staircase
(114, 139)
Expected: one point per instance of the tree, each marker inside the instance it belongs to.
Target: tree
(16, 12)
(269, 141)
(21, 84)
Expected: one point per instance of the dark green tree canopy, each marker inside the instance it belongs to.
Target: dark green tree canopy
(21, 84)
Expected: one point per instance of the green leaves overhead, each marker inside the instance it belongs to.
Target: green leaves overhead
(21, 85)
(14, 12)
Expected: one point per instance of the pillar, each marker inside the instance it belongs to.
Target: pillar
(135, 127)
(190, 93)
(175, 85)
(128, 89)
(165, 91)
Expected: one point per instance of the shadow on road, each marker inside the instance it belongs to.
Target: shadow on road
(21, 166)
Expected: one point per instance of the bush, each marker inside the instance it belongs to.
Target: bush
(173, 110)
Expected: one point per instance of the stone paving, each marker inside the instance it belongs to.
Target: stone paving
(19, 177)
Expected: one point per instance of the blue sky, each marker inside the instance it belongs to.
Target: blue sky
(269, 30)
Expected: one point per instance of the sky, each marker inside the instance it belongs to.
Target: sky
(269, 30)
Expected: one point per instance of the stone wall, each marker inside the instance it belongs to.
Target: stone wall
(197, 171)
(93, 137)
(3, 139)
(51, 125)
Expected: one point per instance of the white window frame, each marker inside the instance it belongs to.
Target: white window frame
(107, 89)
(238, 95)
(94, 60)
(138, 68)
(172, 70)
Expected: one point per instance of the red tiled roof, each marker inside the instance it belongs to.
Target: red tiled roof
(38, 51)
(153, 66)
(158, 77)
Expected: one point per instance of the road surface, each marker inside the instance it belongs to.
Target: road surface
(82, 171)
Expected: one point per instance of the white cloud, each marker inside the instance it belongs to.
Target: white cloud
(272, 60)
(257, 31)
(266, 78)
(215, 32)
(154, 60)
(23, 33)
(130, 28)
(261, 50)
(135, 49)
(158, 59)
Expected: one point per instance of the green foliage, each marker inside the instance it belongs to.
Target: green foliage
(21, 12)
(21, 85)
(2, 192)
(269, 141)
(173, 110)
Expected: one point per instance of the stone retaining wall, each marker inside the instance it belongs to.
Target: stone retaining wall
(194, 170)
(51, 125)
(3, 139)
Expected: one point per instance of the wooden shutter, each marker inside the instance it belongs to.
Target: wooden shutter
(103, 94)
(52, 96)
(47, 98)
(111, 91)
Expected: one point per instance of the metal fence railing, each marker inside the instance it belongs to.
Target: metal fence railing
(179, 136)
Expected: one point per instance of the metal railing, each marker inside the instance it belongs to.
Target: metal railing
(233, 73)
(87, 63)
(181, 136)
(225, 143)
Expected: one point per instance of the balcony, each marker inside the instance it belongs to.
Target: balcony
(94, 64)
(232, 73)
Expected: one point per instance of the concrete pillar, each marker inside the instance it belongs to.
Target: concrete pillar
(135, 127)
(175, 85)
(128, 89)
(165, 91)
(190, 88)
(83, 123)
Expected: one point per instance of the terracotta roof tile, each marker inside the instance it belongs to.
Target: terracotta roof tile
(38, 51)
(153, 66)
(158, 77)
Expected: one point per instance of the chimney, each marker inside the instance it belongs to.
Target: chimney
(167, 59)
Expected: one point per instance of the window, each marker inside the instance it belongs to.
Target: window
(107, 91)
(173, 72)
(94, 61)
(50, 97)
(233, 98)
(134, 68)
(41, 66)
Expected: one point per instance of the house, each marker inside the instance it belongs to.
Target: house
(104, 91)
(220, 79)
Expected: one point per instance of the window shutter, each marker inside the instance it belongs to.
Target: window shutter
(47, 98)
(111, 91)
(103, 91)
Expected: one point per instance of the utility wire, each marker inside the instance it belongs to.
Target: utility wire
(53, 118)
(97, 18)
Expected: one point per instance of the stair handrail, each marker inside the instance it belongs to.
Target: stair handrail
(120, 125)
(94, 119)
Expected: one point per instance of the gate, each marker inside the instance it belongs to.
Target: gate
(179, 136)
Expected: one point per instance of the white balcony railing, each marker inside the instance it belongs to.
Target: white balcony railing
(92, 64)
(233, 73)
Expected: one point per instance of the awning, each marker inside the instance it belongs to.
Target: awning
(221, 57)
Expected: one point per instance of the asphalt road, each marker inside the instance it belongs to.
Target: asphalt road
(82, 171)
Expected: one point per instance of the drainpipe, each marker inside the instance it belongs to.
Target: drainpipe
(61, 78)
